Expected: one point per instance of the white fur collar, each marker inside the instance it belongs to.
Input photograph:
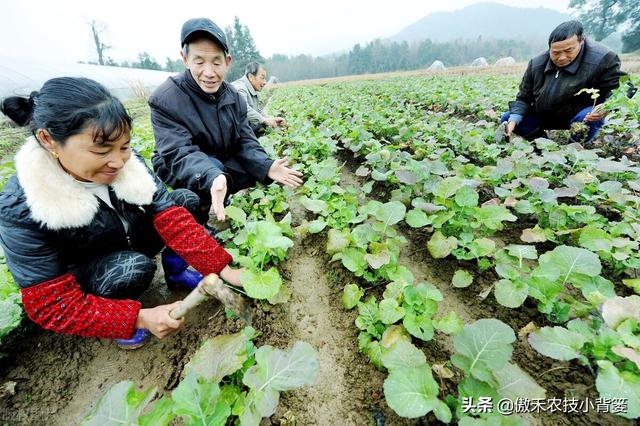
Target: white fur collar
(58, 201)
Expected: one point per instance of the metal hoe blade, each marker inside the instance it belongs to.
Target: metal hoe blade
(232, 301)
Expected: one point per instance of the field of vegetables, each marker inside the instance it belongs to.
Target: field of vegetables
(426, 270)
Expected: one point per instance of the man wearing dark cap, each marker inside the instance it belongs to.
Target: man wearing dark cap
(548, 97)
(203, 138)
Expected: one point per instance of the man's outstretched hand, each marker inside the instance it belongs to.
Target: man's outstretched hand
(279, 172)
(596, 114)
(275, 122)
(509, 128)
(218, 192)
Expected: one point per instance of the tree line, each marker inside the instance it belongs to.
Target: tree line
(600, 18)
(385, 56)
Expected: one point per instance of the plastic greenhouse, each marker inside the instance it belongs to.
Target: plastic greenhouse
(20, 76)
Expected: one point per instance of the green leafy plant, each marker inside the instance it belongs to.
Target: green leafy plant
(610, 340)
(11, 313)
(227, 378)
(371, 250)
(258, 245)
(465, 193)
(594, 94)
(483, 353)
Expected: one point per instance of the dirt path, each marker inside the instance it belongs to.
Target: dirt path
(348, 390)
(313, 313)
(346, 382)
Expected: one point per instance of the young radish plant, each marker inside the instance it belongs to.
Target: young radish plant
(228, 379)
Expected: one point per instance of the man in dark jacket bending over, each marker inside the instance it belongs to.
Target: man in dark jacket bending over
(547, 97)
(203, 139)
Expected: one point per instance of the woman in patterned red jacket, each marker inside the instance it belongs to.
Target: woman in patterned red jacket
(83, 218)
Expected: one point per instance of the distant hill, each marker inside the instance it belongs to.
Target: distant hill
(488, 20)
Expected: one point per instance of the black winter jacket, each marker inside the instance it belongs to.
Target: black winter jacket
(549, 91)
(191, 126)
(49, 223)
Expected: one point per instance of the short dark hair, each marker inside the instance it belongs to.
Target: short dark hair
(252, 68)
(566, 30)
(67, 106)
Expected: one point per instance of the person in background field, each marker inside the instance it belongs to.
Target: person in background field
(83, 218)
(548, 98)
(203, 139)
(253, 81)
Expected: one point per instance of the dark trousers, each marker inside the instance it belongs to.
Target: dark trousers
(126, 274)
(118, 275)
(532, 126)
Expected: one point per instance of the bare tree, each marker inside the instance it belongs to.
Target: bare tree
(96, 31)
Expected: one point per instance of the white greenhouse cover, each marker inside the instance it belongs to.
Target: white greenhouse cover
(21, 76)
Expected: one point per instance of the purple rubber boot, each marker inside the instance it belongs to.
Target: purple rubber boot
(139, 338)
(177, 272)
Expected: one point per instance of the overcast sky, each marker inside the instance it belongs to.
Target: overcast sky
(59, 30)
